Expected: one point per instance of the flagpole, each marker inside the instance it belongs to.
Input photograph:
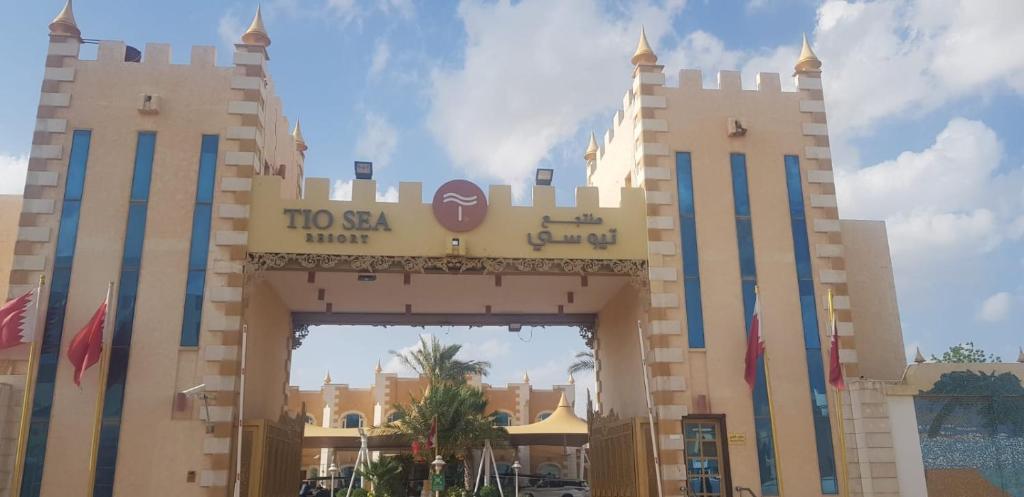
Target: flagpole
(101, 390)
(26, 395)
(241, 407)
(771, 408)
(844, 483)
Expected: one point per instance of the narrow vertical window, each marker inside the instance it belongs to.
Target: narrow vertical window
(200, 245)
(60, 282)
(812, 341)
(765, 438)
(124, 316)
(691, 266)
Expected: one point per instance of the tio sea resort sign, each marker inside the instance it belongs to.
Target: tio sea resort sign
(460, 215)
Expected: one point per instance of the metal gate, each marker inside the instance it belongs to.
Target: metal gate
(620, 457)
(272, 457)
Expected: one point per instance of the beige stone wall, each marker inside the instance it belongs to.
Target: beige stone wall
(10, 212)
(269, 348)
(619, 385)
(876, 318)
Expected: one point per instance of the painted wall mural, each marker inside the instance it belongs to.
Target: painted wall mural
(972, 435)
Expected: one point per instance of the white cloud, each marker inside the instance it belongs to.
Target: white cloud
(381, 54)
(355, 10)
(13, 169)
(230, 28)
(947, 200)
(533, 71)
(342, 190)
(898, 58)
(378, 141)
(996, 308)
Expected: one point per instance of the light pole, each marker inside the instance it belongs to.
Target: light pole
(333, 470)
(515, 468)
(438, 466)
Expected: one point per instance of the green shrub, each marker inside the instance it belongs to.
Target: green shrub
(455, 491)
(489, 491)
(356, 492)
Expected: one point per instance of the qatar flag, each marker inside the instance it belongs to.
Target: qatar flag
(87, 345)
(755, 344)
(835, 368)
(18, 320)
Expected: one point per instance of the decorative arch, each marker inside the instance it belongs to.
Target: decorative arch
(502, 418)
(549, 469)
(352, 419)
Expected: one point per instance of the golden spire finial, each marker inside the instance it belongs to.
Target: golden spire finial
(300, 145)
(918, 356)
(1020, 354)
(378, 368)
(591, 152)
(572, 380)
(327, 378)
(562, 402)
(644, 54)
(808, 62)
(64, 24)
(257, 33)
(526, 377)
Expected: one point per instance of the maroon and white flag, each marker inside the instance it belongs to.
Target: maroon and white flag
(18, 319)
(755, 344)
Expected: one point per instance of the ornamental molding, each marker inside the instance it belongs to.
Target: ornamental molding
(257, 262)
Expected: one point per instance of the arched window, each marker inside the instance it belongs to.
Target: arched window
(281, 170)
(266, 168)
(394, 416)
(502, 418)
(352, 420)
(550, 470)
(544, 415)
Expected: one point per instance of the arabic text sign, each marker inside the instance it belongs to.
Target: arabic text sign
(598, 240)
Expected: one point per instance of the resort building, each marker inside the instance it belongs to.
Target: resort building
(341, 406)
(184, 186)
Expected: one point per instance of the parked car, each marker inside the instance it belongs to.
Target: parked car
(556, 488)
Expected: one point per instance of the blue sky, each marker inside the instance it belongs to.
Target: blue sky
(924, 101)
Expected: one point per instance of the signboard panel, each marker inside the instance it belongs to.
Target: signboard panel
(460, 221)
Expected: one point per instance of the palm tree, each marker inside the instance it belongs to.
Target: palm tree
(438, 362)
(384, 474)
(462, 422)
(584, 362)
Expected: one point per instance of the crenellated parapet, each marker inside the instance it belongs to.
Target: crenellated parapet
(585, 229)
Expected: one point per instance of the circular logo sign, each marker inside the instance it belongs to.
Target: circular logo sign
(460, 205)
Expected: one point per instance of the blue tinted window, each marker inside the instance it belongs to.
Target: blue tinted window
(199, 248)
(812, 340)
(144, 149)
(49, 346)
(124, 318)
(691, 265)
(748, 282)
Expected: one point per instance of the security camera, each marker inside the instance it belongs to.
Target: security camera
(195, 391)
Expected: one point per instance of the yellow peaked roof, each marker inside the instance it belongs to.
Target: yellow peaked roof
(643, 54)
(257, 33)
(808, 61)
(64, 23)
(561, 422)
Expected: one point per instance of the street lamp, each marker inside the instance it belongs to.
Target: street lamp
(333, 470)
(438, 466)
(516, 467)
